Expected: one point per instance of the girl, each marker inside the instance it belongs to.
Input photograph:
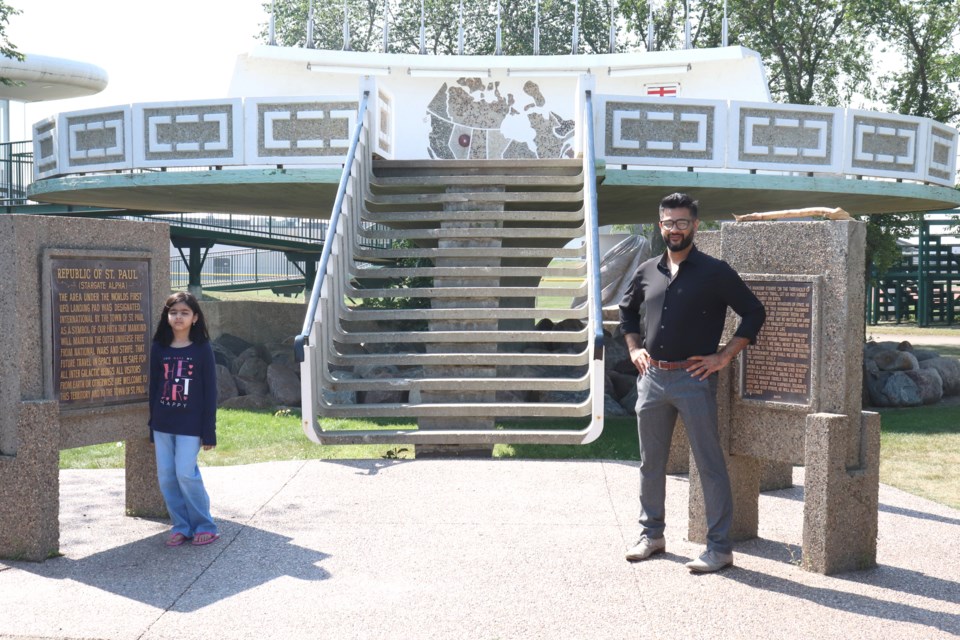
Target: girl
(183, 413)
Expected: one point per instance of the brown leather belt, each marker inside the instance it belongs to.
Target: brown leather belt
(670, 366)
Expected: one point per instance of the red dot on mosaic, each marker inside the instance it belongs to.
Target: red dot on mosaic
(464, 140)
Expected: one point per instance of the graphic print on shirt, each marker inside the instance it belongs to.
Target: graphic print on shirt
(177, 376)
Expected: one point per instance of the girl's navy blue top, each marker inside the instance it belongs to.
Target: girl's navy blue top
(686, 313)
(183, 391)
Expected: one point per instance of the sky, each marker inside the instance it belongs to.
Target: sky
(151, 50)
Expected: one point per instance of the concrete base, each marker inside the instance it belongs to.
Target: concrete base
(30, 486)
(840, 505)
(775, 475)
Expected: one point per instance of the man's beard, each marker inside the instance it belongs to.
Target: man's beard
(678, 246)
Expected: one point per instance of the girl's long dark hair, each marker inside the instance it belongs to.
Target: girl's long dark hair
(198, 332)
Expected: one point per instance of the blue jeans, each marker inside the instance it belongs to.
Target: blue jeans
(662, 395)
(181, 484)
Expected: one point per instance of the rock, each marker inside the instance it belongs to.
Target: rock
(222, 355)
(924, 354)
(233, 344)
(384, 395)
(226, 387)
(612, 408)
(623, 383)
(564, 397)
(281, 354)
(873, 382)
(252, 402)
(284, 384)
(615, 355)
(929, 384)
(243, 356)
(254, 368)
(900, 391)
(251, 387)
(949, 370)
(569, 324)
(629, 401)
(895, 360)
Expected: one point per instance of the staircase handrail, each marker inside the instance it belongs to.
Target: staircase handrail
(302, 339)
(590, 202)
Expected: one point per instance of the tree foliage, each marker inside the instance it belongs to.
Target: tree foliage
(7, 49)
(922, 33)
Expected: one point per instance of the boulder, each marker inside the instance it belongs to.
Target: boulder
(888, 360)
(233, 344)
(924, 354)
(900, 390)
(243, 356)
(254, 368)
(929, 384)
(949, 370)
(629, 401)
(623, 383)
(226, 387)
(222, 355)
(873, 382)
(612, 408)
(251, 387)
(284, 384)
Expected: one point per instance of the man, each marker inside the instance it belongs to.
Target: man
(687, 294)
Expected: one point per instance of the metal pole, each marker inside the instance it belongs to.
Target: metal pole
(576, 28)
(423, 29)
(613, 27)
(498, 51)
(273, 24)
(536, 30)
(346, 27)
(725, 25)
(650, 26)
(386, 26)
(460, 31)
(310, 44)
(686, 24)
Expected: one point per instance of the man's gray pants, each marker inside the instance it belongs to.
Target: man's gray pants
(661, 395)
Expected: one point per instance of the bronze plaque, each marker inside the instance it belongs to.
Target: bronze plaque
(778, 367)
(101, 331)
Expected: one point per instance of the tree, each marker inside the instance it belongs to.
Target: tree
(922, 33)
(815, 51)
(7, 49)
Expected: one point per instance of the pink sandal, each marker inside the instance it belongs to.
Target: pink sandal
(176, 539)
(205, 537)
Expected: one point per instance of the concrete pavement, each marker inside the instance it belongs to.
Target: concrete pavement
(463, 549)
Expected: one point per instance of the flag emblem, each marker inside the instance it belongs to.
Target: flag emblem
(665, 90)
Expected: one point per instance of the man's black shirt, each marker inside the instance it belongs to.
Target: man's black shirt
(685, 315)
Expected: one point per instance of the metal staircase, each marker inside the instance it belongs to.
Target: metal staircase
(448, 331)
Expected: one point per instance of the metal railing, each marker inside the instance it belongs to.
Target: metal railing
(236, 268)
(16, 171)
(594, 259)
(318, 287)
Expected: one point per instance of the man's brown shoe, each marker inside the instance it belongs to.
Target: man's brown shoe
(645, 548)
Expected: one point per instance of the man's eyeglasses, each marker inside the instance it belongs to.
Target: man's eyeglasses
(682, 224)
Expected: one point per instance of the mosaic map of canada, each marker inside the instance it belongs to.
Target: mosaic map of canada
(474, 120)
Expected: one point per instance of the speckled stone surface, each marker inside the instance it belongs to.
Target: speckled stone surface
(33, 429)
(464, 549)
(763, 439)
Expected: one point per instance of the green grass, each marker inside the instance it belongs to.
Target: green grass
(919, 447)
(920, 450)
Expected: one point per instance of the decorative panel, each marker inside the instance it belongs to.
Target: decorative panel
(941, 165)
(95, 140)
(45, 161)
(885, 145)
(785, 137)
(655, 132)
(299, 130)
(385, 120)
(188, 134)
